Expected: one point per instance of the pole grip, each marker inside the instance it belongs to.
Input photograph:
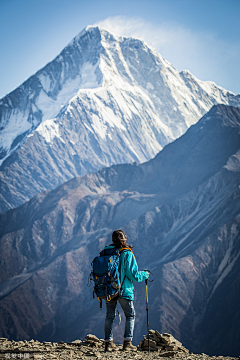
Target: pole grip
(148, 277)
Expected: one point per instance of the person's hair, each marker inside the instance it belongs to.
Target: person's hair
(119, 239)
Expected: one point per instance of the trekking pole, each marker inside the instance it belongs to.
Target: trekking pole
(147, 314)
(146, 282)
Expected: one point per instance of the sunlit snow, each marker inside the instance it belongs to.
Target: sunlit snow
(49, 129)
(124, 85)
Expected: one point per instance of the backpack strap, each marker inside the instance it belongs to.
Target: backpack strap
(100, 300)
(126, 249)
(122, 250)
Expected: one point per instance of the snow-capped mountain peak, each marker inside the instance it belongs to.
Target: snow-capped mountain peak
(103, 100)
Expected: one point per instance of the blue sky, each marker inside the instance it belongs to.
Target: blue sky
(200, 36)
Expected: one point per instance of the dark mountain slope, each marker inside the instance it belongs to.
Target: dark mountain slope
(185, 228)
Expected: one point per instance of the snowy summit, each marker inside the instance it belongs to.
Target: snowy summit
(103, 100)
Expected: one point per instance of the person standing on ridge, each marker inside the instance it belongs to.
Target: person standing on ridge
(128, 271)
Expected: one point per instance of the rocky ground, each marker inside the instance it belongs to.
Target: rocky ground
(162, 346)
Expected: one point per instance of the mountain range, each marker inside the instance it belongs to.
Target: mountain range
(103, 100)
(180, 210)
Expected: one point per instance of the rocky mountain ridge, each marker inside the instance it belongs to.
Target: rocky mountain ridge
(91, 348)
(104, 100)
(181, 212)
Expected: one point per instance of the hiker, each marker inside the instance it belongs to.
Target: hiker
(128, 272)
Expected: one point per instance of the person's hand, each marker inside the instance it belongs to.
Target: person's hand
(147, 272)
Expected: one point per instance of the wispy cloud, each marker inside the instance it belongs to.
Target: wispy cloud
(203, 53)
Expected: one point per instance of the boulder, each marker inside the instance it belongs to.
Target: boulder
(164, 343)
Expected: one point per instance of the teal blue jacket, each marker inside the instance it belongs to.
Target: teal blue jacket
(128, 272)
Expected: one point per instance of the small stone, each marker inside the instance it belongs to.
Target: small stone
(167, 353)
(97, 354)
(159, 343)
(151, 343)
(3, 339)
(71, 353)
(165, 340)
(177, 343)
(171, 347)
(76, 343)
(91, 337)
(151, 348)
(182, 348)
(155, 337)
(47, 343)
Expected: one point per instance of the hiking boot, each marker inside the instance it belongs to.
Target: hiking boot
(127, 345)
(110, 346)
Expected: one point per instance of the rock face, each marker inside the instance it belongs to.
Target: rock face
(181, 211)
(104, 100)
